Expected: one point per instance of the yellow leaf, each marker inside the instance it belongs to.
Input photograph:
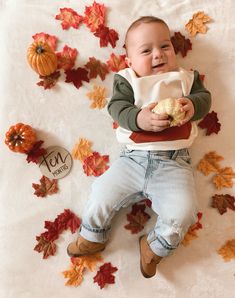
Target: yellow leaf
(88, 261)
(197, 23)
(98, 96)
(82, 149)
(209, 163)
(227, 251)
(74, 275)
(224, 178)
(191, 235)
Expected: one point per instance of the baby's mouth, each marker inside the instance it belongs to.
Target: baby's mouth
(159, 65)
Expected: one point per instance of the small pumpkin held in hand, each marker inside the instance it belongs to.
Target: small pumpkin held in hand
(42, 58)
(20, 138)
(171, 107)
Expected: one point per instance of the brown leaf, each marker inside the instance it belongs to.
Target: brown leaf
(209, 163)
(47, 247)
(222, 202)
(227, 251)
(137, 221)
(96, 68)
(47, 187)
(181, 44)
(197, 23)
(224, 178)
(210, 123)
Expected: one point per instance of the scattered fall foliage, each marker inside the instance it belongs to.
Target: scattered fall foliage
(105, 275)
(98, 96)
(94, 16)
(96, 68)
(69, 18)
(211, 123)
(181, 44)
(77, 76)
(227, 251)
(46, 187)
(223, 202)
(82, 149)
(95, 164)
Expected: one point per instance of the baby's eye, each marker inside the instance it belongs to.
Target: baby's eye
(165, 46)
(145, 51)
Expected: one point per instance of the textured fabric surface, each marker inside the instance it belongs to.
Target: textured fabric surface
(62, 115)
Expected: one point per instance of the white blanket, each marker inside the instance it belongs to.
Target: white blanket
(62, 115)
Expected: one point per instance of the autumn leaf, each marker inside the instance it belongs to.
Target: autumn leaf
(66, 58)
(210, 123)
(49, 81)
(46, 187)
(69, 18)
(224, 178)
(222, 202)
(104, 275)
(106, 36)
(94, 16)
(99, 97)
(88, 261)
(197, 23)
(82, 149)
(36, 152)
(115, 125)
(76, 76)
(209, 163)
(181, 44)
(67, 220)
(192, 231)
(227, 251)
(96, 68)
(137, 220)
(116, 62)
(74, 275)
(51, 40)
(47, 247)
(95, 164)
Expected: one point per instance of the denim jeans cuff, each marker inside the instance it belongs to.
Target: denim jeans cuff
(94, 235)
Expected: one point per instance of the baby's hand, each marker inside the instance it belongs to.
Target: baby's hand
(188, 108)
(149, 121)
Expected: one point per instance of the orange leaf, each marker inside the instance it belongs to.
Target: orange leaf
(94, 16)
(224, 178)
(82, 149)
(47, 187)
(227, 251)
(98, 95)
(96, 68)
(192, 231)
(209, 163)
(197, 23)
(74, 275)
(48, 247)
(116, 63)
(51, 40)
(95, 164)
(89, 261)
(66, 58)
(69, 18)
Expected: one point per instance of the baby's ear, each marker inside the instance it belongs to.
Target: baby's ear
(128, 61)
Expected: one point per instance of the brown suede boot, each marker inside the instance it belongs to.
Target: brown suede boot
(148, 259)
(83, 247)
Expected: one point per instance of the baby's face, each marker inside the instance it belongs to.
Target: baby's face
(150, 50)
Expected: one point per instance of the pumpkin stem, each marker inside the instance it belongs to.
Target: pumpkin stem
(39, 49)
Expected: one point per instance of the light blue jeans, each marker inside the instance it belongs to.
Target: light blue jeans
(164, 177)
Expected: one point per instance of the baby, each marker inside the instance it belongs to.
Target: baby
(155, 161)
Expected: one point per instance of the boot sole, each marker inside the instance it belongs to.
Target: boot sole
(83, 254)
(141, 267)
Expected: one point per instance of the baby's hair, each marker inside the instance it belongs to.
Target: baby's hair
(141, 20)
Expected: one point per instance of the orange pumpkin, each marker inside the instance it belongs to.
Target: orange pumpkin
(20, 138)
(42, 58)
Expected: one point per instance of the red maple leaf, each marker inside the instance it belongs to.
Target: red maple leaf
(66, 58)
(47, 247)
(210, 123)
(222, 202)
(94, 16)
(137, 219)
(51, 40)
(68, 220)
(181, 44)
(96, 68)
(36, 152)
(95, 164)
(46, 187)
(197, 225)
(69, 18)
(104, 275)
(106, 36)
(115, 125)
(76, 76)
(116, 63)
(53, 230)
(49, 81)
